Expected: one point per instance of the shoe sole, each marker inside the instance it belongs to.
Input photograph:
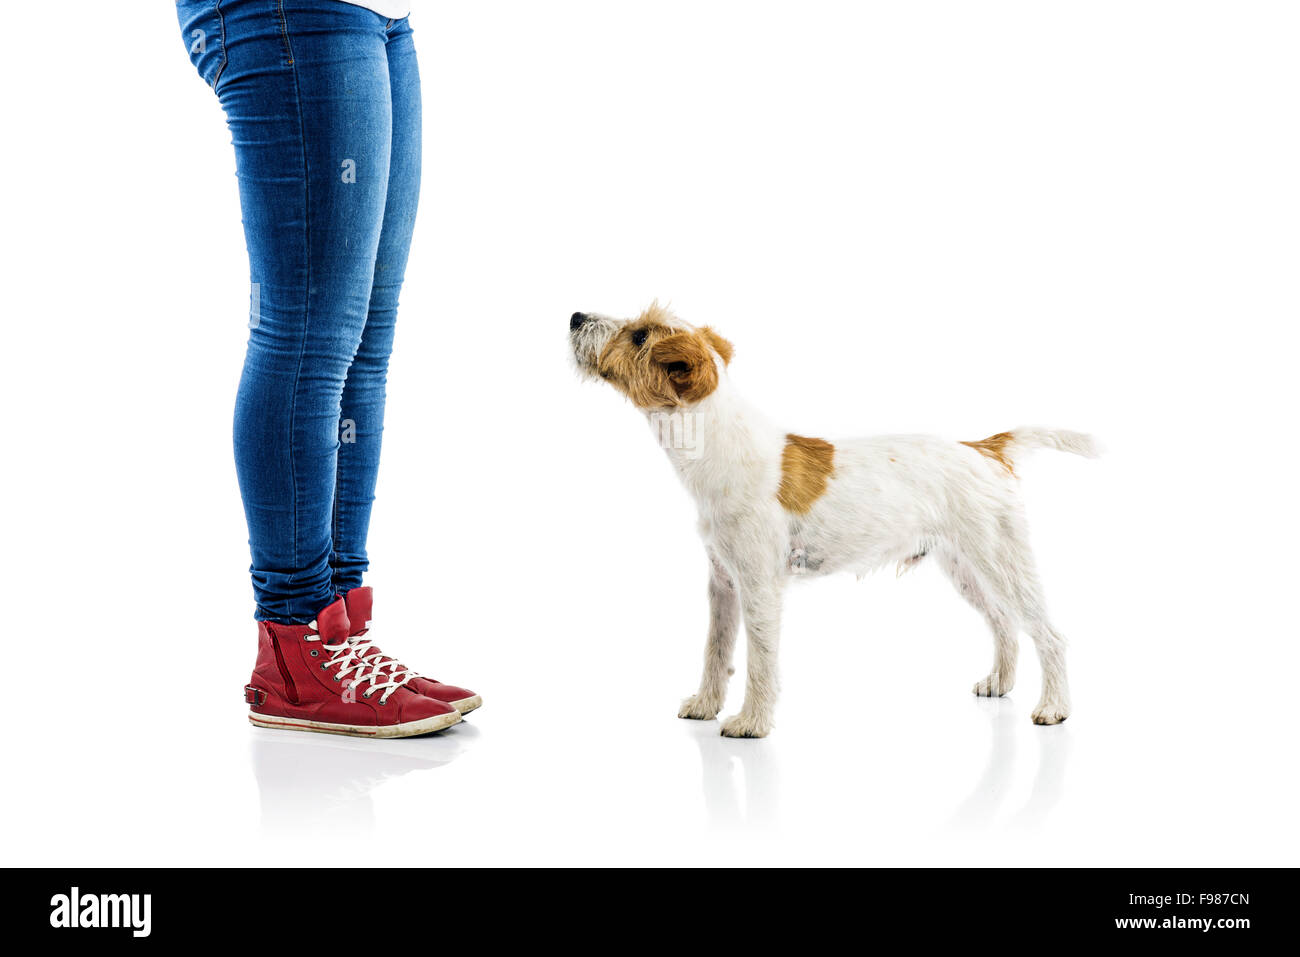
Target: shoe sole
(466, 705)
(404, 730)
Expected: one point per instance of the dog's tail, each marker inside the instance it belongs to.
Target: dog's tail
(1008, 447)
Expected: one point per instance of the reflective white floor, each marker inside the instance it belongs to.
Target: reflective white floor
(914, 772)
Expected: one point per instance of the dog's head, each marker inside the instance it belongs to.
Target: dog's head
(656, 360)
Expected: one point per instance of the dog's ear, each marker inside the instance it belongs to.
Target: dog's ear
(688, 362)
(720, 345)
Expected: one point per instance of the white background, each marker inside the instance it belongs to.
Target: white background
(945, 217)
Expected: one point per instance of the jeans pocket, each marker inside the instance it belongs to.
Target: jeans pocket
(204, 33)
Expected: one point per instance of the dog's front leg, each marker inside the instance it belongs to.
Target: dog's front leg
(761, 601)
(724, 621)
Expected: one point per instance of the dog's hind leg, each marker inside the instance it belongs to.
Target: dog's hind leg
(724, 622)
(1054, 704)
(1006, 647)
(1004, 565)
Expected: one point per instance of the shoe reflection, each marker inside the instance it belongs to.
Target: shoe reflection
(739, 776)
(305, 780)
(989, 793)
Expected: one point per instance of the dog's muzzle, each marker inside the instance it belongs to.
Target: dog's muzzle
(589, 334)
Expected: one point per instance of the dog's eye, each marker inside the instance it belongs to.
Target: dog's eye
(639, 337)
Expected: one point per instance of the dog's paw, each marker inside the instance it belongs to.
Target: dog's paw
(992, 687)
(745, 726)
(1050, 712)
(699, 710)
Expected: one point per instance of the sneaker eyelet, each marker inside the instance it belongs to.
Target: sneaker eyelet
(315, 653)
(368, 694)
(324, 666)
(383, 701)
(336, 677)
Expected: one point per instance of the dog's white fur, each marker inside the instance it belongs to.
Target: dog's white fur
(890, 499)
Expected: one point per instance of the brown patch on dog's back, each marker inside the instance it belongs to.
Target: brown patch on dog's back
(995, 447)
(806, 465)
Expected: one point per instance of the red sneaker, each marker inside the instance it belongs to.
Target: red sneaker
(307, 678)
(359, 602)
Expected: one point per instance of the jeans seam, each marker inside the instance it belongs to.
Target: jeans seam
(225, 51)
(284, 36)
(306, 314)
(334, 520)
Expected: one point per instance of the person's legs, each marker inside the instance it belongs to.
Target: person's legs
(306, 93)
(306, 89)
(364, 393)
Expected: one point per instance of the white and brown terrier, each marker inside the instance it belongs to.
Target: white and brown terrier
(775, 505)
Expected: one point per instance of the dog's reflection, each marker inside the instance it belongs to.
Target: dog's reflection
(739, 775)
(306, 780)
(986, 798)
(1049, 782)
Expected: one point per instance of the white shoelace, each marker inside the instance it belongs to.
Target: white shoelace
(346, 657)
(362, 644)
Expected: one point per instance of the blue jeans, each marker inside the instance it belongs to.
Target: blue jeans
(323, 103)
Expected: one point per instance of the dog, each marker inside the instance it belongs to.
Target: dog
(774, 506)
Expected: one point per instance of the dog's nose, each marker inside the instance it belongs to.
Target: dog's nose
(577, 319)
